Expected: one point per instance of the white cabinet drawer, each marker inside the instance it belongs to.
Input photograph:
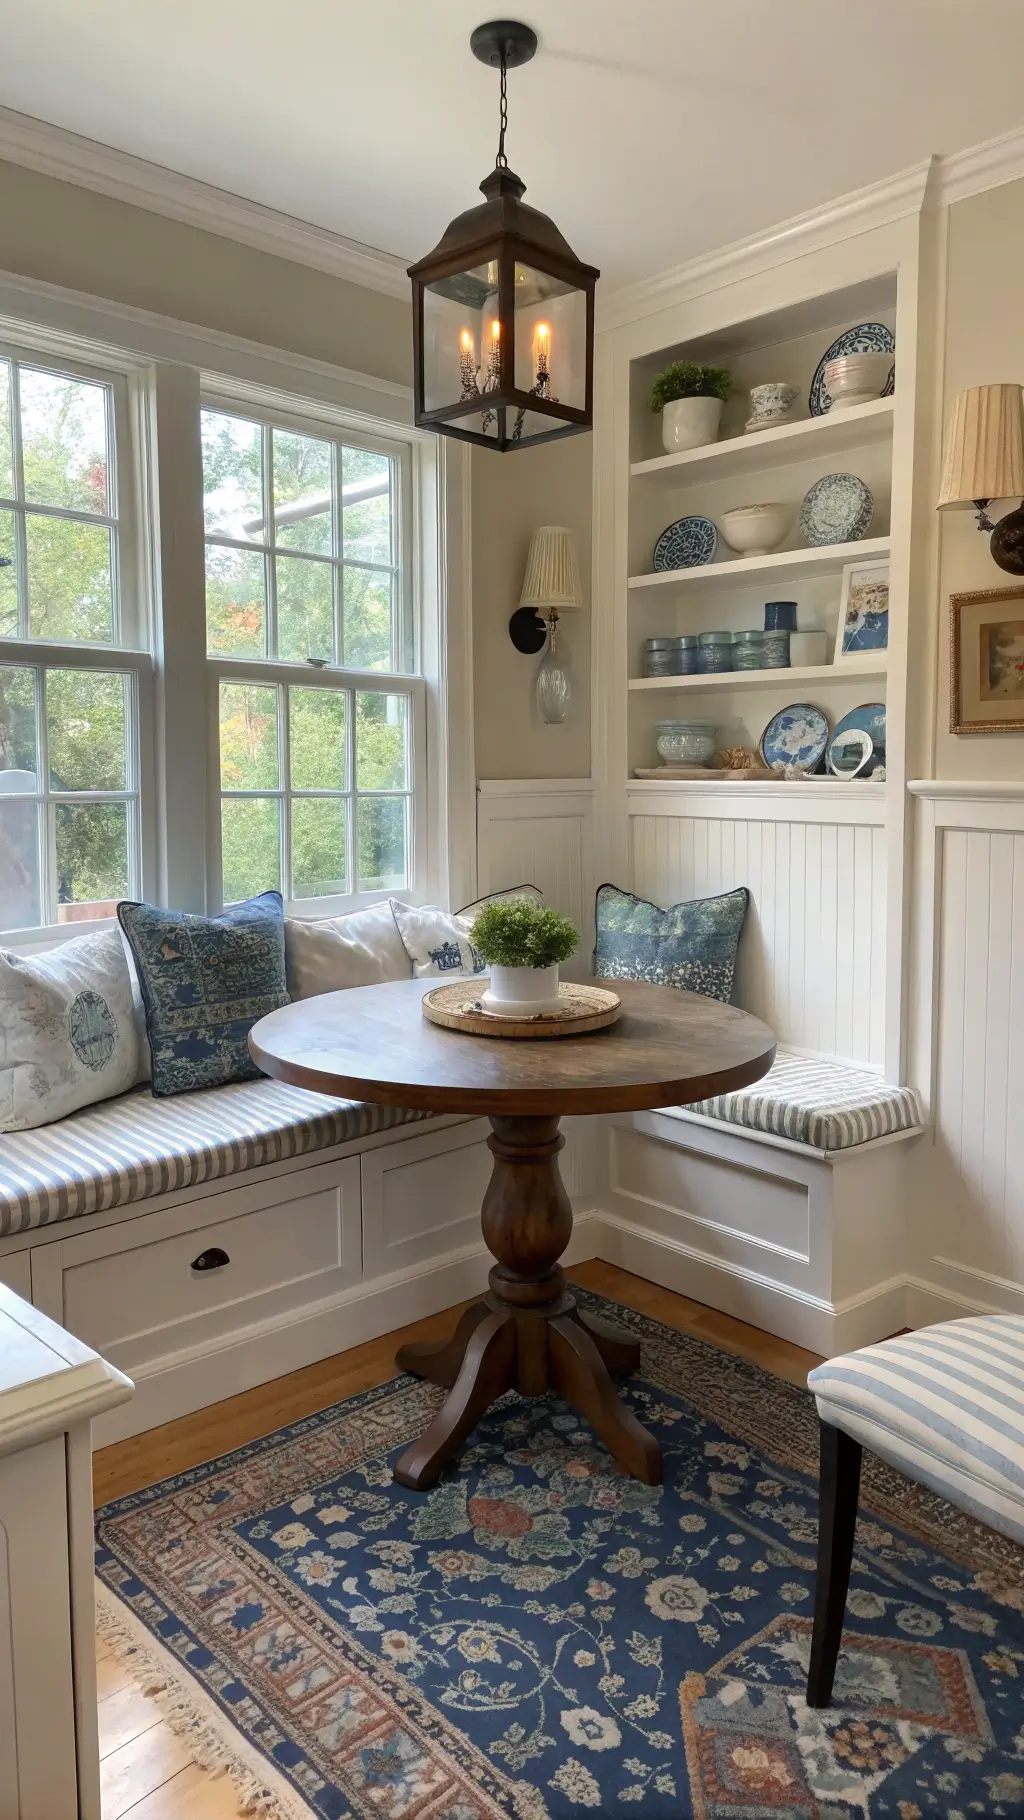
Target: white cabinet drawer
(132, 1292)
(16, 1272)
(421, 1198)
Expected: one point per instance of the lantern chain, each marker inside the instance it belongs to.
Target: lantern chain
(501, 162)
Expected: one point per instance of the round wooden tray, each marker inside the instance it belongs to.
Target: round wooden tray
(582, 1008)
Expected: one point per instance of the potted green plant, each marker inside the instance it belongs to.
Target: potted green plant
(690, 398)
(522, 944)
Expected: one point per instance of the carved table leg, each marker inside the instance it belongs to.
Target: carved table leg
(441, 1360)
(528, 1335)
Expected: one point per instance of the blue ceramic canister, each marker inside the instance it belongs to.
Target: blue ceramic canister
(780, 615)
(748, 651)
(776, 650)
(714, 653)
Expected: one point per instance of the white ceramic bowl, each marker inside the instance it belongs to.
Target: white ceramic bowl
(754, 530)
(856, 379)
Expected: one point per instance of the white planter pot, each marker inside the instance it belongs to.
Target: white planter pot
(522, 991)
(688, 423)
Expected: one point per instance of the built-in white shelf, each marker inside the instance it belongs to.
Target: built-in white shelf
(822, 785)
(830, 435)
(781, 565)
(852, 669)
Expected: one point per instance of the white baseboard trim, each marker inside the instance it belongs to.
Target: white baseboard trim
(177, 1384)
(779, 1308)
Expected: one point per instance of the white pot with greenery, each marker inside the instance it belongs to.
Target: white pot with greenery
(690, 398)
(522, 945)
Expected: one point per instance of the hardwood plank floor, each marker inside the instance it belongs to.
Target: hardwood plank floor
(147, 1771)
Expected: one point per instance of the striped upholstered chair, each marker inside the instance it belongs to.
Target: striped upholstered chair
(945, 1405)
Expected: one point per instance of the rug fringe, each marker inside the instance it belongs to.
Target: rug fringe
(216, 1745)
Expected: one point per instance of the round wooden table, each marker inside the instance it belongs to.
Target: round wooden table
(667, 1049)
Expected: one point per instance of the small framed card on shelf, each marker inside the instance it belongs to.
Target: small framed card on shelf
(863, 610)
(986, 661)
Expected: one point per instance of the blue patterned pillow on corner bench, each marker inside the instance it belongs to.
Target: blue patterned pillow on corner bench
(692, 946)
(205, 981)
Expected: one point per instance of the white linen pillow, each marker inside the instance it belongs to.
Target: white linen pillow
(68, 1035)
(437, 941)
(362, 948)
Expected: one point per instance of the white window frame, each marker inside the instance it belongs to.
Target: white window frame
(166, 365)
(273, 671)
(131, 597)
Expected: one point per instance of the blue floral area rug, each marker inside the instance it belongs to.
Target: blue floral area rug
(542, 1637)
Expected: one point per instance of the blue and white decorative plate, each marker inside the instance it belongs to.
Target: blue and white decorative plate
(795, 739)
(837, 509)
(687, 544)
(866, 338)
(869, 719)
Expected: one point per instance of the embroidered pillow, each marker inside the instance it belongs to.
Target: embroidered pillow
(438, 943)
(67, 1032)
(205, 981)
(360, 949)
(692, 946)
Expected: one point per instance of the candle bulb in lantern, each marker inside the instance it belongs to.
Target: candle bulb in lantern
(542, 356)
(493, 376)
(467, 364)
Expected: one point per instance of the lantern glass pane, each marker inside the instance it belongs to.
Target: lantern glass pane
(461, 340)
(551, 339)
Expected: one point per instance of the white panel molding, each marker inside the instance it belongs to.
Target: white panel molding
(54, 152)
(539, 831)
(967, 1035)
(812, 955)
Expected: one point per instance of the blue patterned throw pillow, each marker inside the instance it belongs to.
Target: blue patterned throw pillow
(692, 946)
(205, 981)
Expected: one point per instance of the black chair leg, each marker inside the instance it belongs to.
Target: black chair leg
(837, 1520)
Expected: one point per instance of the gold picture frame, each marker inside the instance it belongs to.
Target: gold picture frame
(986, 661)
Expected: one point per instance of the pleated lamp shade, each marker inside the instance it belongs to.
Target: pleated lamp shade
(984, 446)
(552, 580)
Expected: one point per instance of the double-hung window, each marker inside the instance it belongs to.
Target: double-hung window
(312, 659)
(72, 663)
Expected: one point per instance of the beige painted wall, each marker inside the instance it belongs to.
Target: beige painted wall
(984, 344)
(69, 236)
(512, 495)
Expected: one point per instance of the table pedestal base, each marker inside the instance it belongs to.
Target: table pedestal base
(528, 1334)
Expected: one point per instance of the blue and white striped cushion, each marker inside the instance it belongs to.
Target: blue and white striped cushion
(129, 1148)
(829, 1105)
(946, 1406)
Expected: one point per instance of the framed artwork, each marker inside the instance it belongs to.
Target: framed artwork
(986, 661)
(863, 609)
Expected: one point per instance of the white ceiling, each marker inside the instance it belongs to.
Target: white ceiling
(652, 130)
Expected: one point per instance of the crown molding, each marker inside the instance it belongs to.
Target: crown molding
(981, 167)
(856, 213)
(53, 152)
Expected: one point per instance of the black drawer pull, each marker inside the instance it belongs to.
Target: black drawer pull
(214, 1259)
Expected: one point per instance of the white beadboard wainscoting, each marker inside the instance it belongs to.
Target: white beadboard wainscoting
(967, 1049)
(812, 956)
(540, 831)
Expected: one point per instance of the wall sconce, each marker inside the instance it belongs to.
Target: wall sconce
(551, 587)
(985, 461)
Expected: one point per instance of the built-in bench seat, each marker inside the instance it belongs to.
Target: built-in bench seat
(784, 1204)
(135, 1146)
(830, 1105)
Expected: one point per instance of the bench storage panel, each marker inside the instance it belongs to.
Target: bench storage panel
(421, 1198)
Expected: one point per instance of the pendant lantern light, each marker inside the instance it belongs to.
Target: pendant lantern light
(503, 311)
